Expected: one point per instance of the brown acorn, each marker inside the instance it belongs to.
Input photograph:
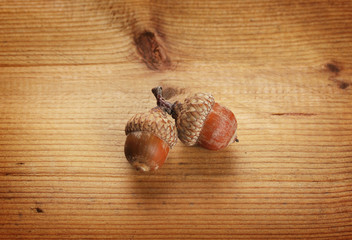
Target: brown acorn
(150, 136)
(201, 121)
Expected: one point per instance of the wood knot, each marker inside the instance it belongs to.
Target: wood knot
(343, 85)
(340, 83)
(332, 67)
(169, 92)
(335, 71)
(39, 210)
(151, 50)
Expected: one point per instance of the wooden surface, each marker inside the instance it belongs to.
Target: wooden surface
(73, 72)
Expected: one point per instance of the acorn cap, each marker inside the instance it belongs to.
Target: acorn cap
(191, 115)
(155, 121)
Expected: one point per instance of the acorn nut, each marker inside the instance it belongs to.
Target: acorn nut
(150, 136)
(201, 121)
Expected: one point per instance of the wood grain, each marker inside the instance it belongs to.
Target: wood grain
(73, 72)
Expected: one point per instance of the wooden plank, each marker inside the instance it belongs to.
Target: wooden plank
(73, 72)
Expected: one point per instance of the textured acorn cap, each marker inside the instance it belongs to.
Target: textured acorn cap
(155, 121)
(191, 115)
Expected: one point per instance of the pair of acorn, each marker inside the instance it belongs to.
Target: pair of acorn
(199, 120)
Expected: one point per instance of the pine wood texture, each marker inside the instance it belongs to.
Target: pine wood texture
(72, 73)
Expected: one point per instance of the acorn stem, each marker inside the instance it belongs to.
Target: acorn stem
(162, 102)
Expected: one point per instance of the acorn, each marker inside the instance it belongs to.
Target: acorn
(150, 136)
(201, 121)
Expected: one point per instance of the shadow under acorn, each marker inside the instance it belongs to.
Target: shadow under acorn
(197, 161)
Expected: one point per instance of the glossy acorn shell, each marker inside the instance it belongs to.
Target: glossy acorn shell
(219, 129)
(145, 151)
